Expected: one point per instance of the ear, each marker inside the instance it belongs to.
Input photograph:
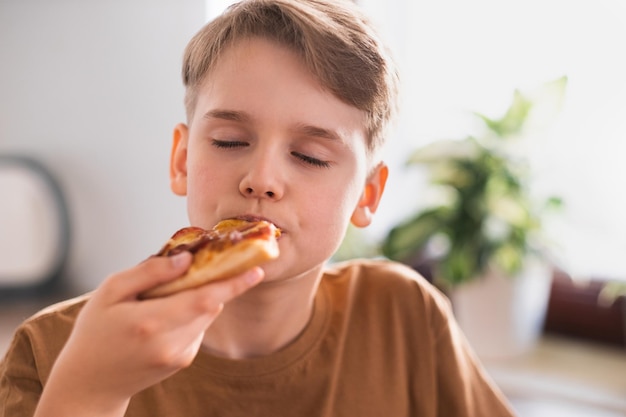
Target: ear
(372, 193)
(178, 160)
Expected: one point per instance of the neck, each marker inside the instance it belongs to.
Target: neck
(264, 319)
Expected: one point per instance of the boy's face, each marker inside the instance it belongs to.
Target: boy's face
(267, 141)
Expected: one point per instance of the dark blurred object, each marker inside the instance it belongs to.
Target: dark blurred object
(34, 228)
(575, 310)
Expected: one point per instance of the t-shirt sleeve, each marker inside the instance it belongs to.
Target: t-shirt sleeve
(463, 386)
(20, 387)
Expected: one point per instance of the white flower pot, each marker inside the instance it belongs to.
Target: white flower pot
(503, 316)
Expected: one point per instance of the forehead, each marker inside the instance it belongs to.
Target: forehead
(271, 83)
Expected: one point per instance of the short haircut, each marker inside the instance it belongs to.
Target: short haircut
(335, 40)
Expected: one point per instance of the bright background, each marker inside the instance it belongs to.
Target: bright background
(458, 56)
(93, 90)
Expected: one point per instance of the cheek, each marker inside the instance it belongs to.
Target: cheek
(204, 186)
(331, 210)
(206, 175)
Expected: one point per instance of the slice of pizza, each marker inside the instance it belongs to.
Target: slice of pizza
(230, 248)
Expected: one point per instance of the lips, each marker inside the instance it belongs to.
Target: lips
(256, 218)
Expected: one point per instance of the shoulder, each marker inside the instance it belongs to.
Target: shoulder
(379, 273)
(61, 313)
(54, 321)
(34, 348)
(44, 334)
(388, 301)
(374, 269)
(38, 341)
(388, 282)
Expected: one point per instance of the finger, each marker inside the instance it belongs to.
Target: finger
(177, 348)
(148, 274)
(207, 300)
(225, 290)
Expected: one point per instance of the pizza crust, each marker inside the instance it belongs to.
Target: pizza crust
(214, 266)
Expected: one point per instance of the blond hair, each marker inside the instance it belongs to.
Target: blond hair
(334, 39)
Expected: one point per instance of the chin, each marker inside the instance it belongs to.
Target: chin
(276, 272)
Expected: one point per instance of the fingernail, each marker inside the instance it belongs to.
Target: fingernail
(179, 259)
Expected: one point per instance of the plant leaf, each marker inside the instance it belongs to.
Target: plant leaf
(513, 120)
(410, 237)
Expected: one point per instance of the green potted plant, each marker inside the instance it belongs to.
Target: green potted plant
(487, 216)
(486, 220)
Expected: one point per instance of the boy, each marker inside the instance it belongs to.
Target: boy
(287, 103)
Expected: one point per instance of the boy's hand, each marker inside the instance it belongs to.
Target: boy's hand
(121, 345)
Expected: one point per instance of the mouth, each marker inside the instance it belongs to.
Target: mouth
(255, 218)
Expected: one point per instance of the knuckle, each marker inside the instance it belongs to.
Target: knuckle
(230, 289)
(153, 265)
(164, 357)
(145, 329)
(238, 288)
(207, 304)
(113, 284)
(172, 358)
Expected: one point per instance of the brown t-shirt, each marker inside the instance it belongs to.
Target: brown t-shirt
(381, 342)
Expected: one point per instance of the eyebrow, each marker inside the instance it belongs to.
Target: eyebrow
(304, 129)
(235, 116)
(319, 132)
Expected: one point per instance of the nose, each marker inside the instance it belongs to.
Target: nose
(262, 181)
(251, 192)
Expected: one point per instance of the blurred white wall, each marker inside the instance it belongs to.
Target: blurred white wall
(93, 90)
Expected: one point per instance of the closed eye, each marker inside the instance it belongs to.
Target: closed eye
(311, 161)
(229, 144)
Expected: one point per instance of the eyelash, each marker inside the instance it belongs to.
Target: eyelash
(311, 161)
(228, 144)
